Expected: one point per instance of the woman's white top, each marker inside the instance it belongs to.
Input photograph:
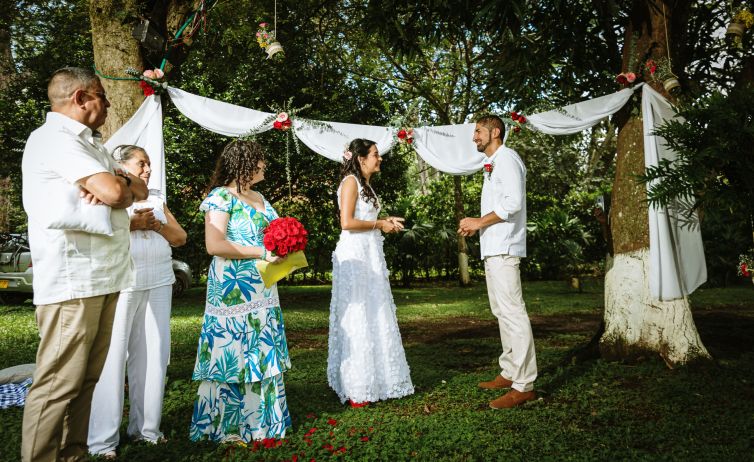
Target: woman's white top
(151, 253)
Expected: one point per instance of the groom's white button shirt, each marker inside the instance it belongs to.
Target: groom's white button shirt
(504, 192)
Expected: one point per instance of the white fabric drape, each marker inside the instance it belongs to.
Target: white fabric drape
(677, 267)
(144, 129)
(330, 139)
(676, 253)
(580, 116)
(449, 148)
(219, 117)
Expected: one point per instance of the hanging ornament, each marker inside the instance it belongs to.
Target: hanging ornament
(268, 39)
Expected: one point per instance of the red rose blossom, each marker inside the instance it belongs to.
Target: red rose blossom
(410, 140)
(277, 125)
(622, 79)
(402, 134)
(285, 235)
(514, 115)
(516, 129)
(146, 88)
(488, 168)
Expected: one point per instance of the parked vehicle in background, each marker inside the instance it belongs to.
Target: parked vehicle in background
(15, 269)
(182, 277)
(16, 272)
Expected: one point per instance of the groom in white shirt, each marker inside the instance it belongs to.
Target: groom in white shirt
(502, 233)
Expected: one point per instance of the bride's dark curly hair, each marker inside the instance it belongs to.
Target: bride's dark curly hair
(359, 148)
(238, 162)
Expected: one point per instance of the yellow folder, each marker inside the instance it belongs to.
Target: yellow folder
(273, 272)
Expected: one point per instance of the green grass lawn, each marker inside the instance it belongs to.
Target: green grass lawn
(594, 410)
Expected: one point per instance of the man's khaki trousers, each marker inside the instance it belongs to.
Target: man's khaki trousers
(74, 339)
(518, 362)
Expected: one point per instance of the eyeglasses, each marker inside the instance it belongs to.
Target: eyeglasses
(100, 94)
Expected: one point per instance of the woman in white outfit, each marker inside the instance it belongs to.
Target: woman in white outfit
(366, 361)
(141, 328)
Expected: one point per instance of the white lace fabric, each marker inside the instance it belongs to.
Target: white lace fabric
(366, 360)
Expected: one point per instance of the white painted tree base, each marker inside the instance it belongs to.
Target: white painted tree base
(635, 323)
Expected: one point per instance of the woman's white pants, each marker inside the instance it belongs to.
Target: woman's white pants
(141, 344)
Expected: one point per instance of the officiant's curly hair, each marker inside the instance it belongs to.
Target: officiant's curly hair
(359, 148)
(238, 162)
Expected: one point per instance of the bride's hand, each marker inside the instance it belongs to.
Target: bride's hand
(397, 221)
(387, 226)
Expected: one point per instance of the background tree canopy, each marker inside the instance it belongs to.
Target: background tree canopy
(432, 63)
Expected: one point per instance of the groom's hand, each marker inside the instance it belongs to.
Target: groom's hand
(469, 226)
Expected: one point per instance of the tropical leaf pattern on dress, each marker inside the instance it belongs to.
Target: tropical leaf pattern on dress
(251, 411)
(240, 357)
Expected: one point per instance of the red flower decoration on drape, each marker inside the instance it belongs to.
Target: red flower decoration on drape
(146, 88)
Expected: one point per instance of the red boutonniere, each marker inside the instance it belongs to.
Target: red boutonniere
(488, 167)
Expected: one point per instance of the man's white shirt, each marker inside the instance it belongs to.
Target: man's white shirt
(70, 264)
(504, 193)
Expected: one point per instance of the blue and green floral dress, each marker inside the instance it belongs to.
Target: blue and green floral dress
(242, 351)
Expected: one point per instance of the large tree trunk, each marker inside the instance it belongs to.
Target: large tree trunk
(115, 50)
(635, 323)
(463, 251)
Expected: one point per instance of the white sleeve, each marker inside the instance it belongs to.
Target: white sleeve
(508, 178)
(72, 160)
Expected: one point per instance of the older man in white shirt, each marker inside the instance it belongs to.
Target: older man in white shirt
(77, 274)
(502, 230)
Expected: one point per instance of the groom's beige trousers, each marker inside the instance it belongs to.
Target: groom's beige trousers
(518, 362)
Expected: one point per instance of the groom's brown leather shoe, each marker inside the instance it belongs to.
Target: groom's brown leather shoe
(496, 383)
(512, 399)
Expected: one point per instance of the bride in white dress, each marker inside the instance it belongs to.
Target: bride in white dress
(366, 361)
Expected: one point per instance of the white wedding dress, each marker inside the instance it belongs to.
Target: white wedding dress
(366, 361)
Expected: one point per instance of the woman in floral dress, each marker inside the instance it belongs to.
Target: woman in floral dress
(242, 351)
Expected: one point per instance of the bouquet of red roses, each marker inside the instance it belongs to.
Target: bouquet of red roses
(285, 235)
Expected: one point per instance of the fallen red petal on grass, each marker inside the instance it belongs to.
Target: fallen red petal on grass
(311, 416)
(365, 438)
(341, 450)
(332, 421)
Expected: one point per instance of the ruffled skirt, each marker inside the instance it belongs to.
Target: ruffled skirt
(366, 360)
(240, 363)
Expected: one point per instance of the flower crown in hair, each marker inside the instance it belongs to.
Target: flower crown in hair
(347, 154)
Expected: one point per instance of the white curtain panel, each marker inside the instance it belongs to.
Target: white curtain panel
(144, 129)
(449, 148)
(676, 253)
(330, 139)
(219, 117)
(580, 116)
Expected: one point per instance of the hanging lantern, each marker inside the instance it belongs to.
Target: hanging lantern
(671, 85)
(736, 28)
(273, 48)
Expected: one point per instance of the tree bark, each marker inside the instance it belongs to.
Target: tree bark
(636, 324)
(115, 50)
(463, 252)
